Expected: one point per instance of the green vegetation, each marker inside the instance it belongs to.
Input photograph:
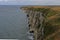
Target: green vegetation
(51, 38)
(48, 29)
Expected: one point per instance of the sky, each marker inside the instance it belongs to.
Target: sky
(29, 2)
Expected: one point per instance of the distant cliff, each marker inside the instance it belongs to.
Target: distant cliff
(43, 22)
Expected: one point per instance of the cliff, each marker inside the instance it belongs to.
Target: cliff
(43, 22)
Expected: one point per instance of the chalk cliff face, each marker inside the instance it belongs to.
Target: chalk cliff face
(43, 22)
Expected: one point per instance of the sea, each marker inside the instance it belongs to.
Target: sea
(13, 23)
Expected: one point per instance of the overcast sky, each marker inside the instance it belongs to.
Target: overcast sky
(29, 2)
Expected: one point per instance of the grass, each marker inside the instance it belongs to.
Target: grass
(48, 29)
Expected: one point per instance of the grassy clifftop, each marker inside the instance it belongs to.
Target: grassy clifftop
(57, 8)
